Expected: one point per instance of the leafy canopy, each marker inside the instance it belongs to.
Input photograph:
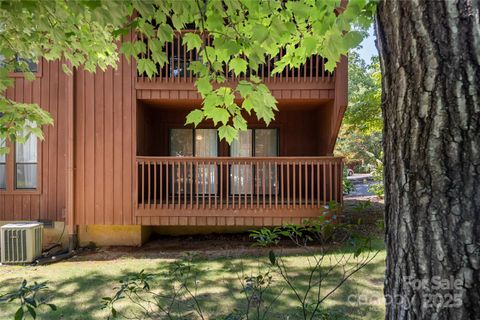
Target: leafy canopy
(244, 33)
(361, 133)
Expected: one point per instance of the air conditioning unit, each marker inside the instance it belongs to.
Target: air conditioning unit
(21, 242)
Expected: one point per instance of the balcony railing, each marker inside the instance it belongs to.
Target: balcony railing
(176, 70)
(225, 183)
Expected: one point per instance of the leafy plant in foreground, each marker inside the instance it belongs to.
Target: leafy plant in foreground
(28, 298)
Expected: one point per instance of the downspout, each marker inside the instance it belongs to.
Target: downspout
(71, 227)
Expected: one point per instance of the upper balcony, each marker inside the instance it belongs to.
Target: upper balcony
(309, 81)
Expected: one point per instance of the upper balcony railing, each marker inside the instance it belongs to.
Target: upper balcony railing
(176, 70)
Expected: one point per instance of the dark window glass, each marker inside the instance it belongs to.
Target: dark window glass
(26, 164)
(3, 166)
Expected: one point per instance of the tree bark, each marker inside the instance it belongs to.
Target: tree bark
(430, 54)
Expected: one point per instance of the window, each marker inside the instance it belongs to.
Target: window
(26, 164)
(3, 166)
(198, 143)
(257, 143)
(30, 64)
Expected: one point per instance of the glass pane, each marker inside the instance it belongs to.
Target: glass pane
(206, 146)
(26, 176)
(243, 146)
(26, 152)
(206, 180)
(3, 157)
(2, 176)
(181, 144)
(241, 175)
(206, 143)
(266, 143)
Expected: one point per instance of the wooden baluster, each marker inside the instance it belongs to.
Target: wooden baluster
(233, 172)
(215, 184)
(323, 69)
(330, 180)
(190, 73)
(160, 185)
(288, 183)
(184, 63)
(282, 186)
(173, 184)
(221, 184)
(166, 184)
(197, 180)
(276, 185)
(245, 183)
(294, 186)
(190, 181)
(324, 165)
(227, 195)
(149, 184)
(318, 184)
(239, 186)
(252, 183)
(300, 184)
(276, 75)
(209, 185)
(263, 184)
(269, 185)
(306, 184)
(203, 184)
(269, 59)
(311, 68)
(143, 185)
(257, 177)
(155, 184)
(312, 184)
(179, 166)
(281, 73)
(185, 177)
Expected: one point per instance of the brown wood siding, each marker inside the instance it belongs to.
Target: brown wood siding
(48, 202)
(105, 113)
(105, 136)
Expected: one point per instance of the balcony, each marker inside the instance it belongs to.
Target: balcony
(223, 187)
(175, 74)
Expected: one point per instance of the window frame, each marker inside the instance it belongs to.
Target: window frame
(37, 74)
(11, 172)
(192, 130)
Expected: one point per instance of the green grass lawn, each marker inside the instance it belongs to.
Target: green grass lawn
(77, 287)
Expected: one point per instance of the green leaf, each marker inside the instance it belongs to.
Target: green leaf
(147, 66)
(203, 86)
(165, 33)
(32, 312)
(219, 115)
(195, 117)
(52, 306)
(239, 123)
(19, 314)
(244, 88)
(228, 133)
(272, 257)
(192, 40)
(238, 66)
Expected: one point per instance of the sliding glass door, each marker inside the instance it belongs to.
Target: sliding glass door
(200, 143)
(246, 179)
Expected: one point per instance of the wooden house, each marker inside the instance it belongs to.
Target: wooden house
(119, 160)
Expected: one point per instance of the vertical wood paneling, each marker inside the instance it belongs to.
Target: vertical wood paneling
(104, 146)
(48, 202)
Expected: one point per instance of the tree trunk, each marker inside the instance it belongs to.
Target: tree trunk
(430, 54)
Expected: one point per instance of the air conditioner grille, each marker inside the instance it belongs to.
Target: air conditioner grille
(21, 243)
